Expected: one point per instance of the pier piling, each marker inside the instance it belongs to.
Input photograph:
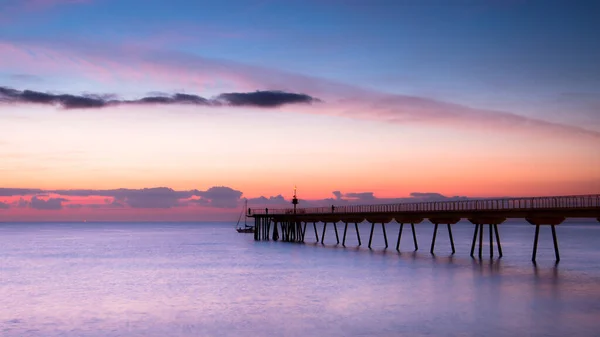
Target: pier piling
(474, 239)
(399, 236)
(412, 226)
(451, 239)
(498, 240)
(435, 228)
(371, 236)
(384, 234)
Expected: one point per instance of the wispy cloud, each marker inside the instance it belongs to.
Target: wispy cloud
(110, 63)
(47, 204)
(263, 99)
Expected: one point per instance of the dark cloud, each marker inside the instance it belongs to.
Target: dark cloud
(22, 203)
(8, 192)
(273, 200)
(108, 204)
(220, 197)
(136, 197)
(81, 102)
(337, 194)
(49, 204)
(115, 204)
(4, 205)
(362, 197)
(263, 99)
(175, 99)
(67, 101)
(159, 197)
(428, 196)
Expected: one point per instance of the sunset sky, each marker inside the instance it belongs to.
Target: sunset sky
(180, 109)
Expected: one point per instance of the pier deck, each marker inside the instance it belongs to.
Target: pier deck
(289, 224)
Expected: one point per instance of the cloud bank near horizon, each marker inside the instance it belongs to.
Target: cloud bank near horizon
(261, 99)
(218, 197)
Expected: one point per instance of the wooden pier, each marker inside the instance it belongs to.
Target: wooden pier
(289, 224)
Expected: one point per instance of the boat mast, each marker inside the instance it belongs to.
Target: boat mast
(237, 225)
(244, 211)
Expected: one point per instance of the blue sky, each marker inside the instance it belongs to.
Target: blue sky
(514, 54)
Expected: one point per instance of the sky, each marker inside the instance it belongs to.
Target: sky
(131, 110)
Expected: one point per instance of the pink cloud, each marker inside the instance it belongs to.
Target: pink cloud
(134, 64)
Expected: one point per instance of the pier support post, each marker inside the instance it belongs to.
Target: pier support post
(493, 223)
(399, 236)
(474, 239)
(337, 238)
(275, 232)
(435, 228)
(324, 229)
(384, 234)
(357, 233)
(304, 231)
(345, 230)
(259, 229)
(265, 228)
(480, 241)
(552, 222)
(498, 240)
(449, 221)
(414, 233)
(556, 254)
(535, 242)
(316, 234)
(451, 239)
(491, 242)
(269, 229)
(371, 236)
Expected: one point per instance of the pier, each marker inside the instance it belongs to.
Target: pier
(290, 224)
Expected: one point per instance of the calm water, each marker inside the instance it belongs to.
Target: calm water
(167, 279)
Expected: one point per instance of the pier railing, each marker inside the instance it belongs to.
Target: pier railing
(557, 202)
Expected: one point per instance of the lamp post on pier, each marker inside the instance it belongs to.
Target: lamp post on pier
(295, 200)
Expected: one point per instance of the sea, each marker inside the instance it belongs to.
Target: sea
(205, 279)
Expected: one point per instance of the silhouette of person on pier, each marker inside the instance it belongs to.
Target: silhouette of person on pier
(332, 208)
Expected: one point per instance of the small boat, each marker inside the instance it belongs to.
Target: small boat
(249, 229)
(246, 228)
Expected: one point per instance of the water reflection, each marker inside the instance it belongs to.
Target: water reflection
(190, 280)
